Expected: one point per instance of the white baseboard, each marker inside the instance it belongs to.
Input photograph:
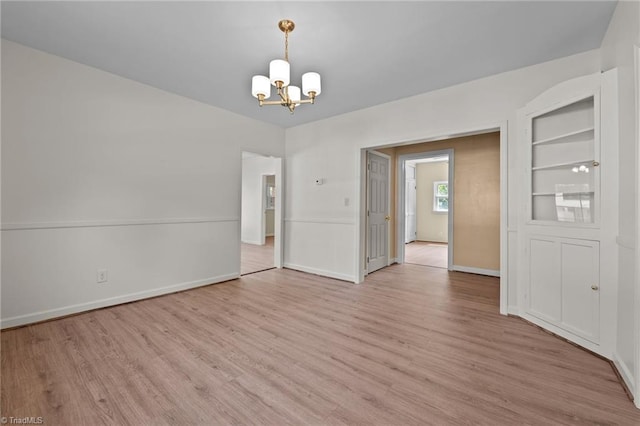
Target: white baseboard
(322, 272)
(513, 310)
(254, 242)
(480, 271)
(103, 303)
(624, 372)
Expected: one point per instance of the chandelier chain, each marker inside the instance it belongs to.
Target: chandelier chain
(286, 46)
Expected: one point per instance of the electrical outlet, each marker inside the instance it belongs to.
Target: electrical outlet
(102, 276)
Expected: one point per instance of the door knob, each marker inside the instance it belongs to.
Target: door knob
(594, 287)
(387, 218)
(596, 164)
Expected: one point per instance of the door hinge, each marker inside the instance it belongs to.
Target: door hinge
(367, 259)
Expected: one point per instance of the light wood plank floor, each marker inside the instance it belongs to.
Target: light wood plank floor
(427, 254)
(255, 258)
(283, 347)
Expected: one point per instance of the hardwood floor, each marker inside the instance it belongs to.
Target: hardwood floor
(255, 258)
(285, 347)
(427, 254)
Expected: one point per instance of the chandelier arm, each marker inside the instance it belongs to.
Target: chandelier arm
(274, 103)
(283, 96)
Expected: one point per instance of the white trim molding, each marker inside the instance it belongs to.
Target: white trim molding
(323, 221)
(103, 223)
(321, 272)
(624, 372)
(112, 301)
(480, 271)
(637, 236)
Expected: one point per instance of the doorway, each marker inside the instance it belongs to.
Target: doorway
(427, 191)
(261, 206)
(493, 192)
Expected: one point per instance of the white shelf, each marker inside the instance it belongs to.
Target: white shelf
(559, 138)
(562, 165)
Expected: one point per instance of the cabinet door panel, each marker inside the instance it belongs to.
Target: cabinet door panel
(581, 302)
(544, 282)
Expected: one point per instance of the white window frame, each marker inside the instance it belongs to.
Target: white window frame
(436, 209)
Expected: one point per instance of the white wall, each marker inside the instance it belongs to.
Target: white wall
(431, 226)
(331, 149)
(253, 170)
(617, 51)
(100, 172)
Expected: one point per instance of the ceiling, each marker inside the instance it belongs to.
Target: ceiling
(368, 53)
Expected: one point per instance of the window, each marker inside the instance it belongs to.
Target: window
(441, 196)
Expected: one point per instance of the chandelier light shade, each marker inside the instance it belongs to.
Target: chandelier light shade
(279, 72)
(311, 83)
(280, 77)
(260, 85)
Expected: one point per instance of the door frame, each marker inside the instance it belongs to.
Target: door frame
(278, 243)
(401, 198)
(415, 207)
(506, 233)
(637, 237)
(366, 252)
(263, 231)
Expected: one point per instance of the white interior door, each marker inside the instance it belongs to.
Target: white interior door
(377, 212)
(410, 204)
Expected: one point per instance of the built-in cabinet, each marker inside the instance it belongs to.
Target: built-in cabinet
(566, 226)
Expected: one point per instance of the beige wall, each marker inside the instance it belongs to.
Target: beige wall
(476, 204)
(431, 226)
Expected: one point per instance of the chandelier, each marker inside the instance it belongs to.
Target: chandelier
(279, 77)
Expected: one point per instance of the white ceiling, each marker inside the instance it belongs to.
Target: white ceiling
(368, 53)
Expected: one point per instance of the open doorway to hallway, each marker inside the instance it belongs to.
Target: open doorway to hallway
(427, 211)
(481, 233)
(474, 191)
(260, 213)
